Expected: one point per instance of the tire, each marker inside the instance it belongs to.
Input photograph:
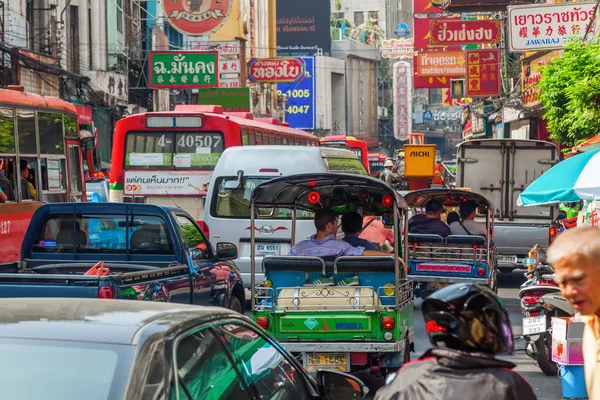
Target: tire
(543, 359)
(235, 305)
(494, 282)
(406, 350)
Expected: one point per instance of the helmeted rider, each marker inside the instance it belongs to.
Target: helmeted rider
(390, 172)
(472, 325)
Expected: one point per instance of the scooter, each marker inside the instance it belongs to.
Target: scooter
(540, 301)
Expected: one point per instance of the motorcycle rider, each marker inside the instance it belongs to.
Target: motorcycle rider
(470, 321)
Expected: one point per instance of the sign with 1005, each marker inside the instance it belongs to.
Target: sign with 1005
(301, 98)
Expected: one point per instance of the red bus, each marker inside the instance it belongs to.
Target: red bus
(349, 142)
(376, 162)
(168, 157)
(41, 160)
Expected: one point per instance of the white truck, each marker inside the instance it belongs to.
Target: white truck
(500, 169)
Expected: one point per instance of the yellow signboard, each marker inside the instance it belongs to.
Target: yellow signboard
(419, 160)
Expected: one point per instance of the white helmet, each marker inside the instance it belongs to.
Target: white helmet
(388, 163)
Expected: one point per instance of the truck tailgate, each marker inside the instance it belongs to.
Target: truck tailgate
(38, 285)
(517, 239)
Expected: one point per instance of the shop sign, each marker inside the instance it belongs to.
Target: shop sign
(431, 82)
(441, 63)
(84, 115)
(531, 73)
(300, 110)
(547, 26)
(425, 7)
(397, 48)
(183, 69)
(197, 18)
(166, 183)
(273, 70)
(423, 35)
(230, 99)
(402, 100)
(230, 65)
(483, 73)
(447, 32)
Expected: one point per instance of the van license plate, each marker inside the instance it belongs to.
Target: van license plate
(507, 259)
(268, 249)
(534, 325)
(329, 361)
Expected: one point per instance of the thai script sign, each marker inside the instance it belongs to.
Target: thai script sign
(441, 63)
(166, 183)
(423, 36)
(303, 27)
(229, 99)
(183, 69)
(197, 18)
(273, 70)
(402, 100)
(483, 73)
(444, 32)
(443, 268)
(300, 110)
(230, 60)
(531, 73)
(397, 48)
(547, 26)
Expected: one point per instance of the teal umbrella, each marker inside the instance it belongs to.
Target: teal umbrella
(572, 180)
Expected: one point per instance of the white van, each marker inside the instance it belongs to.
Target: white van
(227, 212)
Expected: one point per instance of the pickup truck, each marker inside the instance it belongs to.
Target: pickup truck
(500, 169)
(147, 252)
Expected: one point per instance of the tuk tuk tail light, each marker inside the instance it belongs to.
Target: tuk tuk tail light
(263, 322)
(388, 323)
(362, 195)
(387, 201)
(314, 197)
(552, 234)
(481, 271)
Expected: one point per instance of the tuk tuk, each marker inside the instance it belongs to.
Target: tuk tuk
(435, 261)
(343, 328)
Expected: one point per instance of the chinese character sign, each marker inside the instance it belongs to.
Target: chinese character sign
(547, 26)
(183, 69)
(483, 73)
(402, 100)
(300, 110)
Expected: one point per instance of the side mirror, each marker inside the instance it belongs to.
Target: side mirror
(232, 185)
(334, 385)
(226, 251)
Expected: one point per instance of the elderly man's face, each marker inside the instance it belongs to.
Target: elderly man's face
(579, 284)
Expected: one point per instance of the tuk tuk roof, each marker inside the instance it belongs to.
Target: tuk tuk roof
(291, 190)
(448, 197)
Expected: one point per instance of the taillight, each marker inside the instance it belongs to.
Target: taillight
(388, 322)
(531, 299)
(106, 292)
(552, 234)
(480, 271)
(534, 314)
(263, 322)
(204, 226)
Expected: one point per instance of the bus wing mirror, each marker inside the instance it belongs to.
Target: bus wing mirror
(232, 185)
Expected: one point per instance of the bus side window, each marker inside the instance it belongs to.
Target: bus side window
(251, 139)
(74, 163)
(258, 139)
(27, 176)
(7, 178)
(285, 141)
(278, 140)
(244, 138)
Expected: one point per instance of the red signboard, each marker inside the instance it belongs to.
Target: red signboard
(84, 115)
(272, 70)
(445, 32)
(422, 35)
(443, 268)
(441, 63)
(196, 18)
(483, 73)
(425, 7)
(431, 82)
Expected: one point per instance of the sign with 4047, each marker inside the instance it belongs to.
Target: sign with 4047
(184, 69)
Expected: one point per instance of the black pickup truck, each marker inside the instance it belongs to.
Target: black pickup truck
(148, 252)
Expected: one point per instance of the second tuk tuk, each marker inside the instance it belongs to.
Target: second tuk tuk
(337, 327)
(437, 261)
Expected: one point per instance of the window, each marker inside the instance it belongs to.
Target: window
(7, 177)
(74, 169)
(345, 165)
(193, 238)
(245, 139)
(26, 132)
(435, 96)
(251, 139)
(338, 15)
(27, 172)
(205, 371)
(373, 17)
(53, 178)
(7, 131)
(120, 16)
(278, 140)
(265, 368)
(359, 18)
(50, 127)
(71, 127)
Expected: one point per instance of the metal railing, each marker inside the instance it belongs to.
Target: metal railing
(448, 252)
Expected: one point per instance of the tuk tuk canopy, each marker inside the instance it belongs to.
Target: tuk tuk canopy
(448, 197)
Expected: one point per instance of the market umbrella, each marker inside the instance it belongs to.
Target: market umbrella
(572, 180)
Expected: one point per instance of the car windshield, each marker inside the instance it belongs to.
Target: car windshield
(50, 369)
(96, 187)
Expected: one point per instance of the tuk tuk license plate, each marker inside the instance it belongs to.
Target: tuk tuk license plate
(268, 249)
(329, 361)
(534, 325)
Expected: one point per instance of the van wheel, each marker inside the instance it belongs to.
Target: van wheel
(235, 305)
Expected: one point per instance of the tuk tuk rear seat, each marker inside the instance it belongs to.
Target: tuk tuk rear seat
(459, 248)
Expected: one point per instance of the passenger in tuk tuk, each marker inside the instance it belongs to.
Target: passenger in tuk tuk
(374, 231)
(352, 227)
(431, 223)
(467, 224)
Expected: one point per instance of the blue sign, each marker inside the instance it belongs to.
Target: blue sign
(402, 29)
(427, 115)
(300, 111)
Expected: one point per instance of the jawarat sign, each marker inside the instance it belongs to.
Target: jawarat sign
(441, 63)
(229, 99)
(196, 18)
(402, 100)
(447, 32)
(183, 69)
(547, 26)
(398, 48)
(273, 70)
(483, 73)
(166, 183)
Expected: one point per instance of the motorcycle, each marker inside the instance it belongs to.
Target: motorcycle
(540, 301)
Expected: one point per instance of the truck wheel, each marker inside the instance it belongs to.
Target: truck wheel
(235, 305)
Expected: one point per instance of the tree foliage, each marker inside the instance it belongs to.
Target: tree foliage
(571, 93)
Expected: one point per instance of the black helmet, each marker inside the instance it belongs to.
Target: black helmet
(468, 317)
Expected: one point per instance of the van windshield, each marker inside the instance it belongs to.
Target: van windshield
(236, 203)
(345, 165)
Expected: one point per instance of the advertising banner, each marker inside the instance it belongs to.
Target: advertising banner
(303, 27)
(441, 63)
(302, 96)
(425, 7)
(423, 36)
(531, 73)
(274, 70)
(229, 99)
(402, 100)
(547, 26)
(398, 48)
(446, 32)
(166, 183)
(483, 73)
(196, 18)
(183, 69)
